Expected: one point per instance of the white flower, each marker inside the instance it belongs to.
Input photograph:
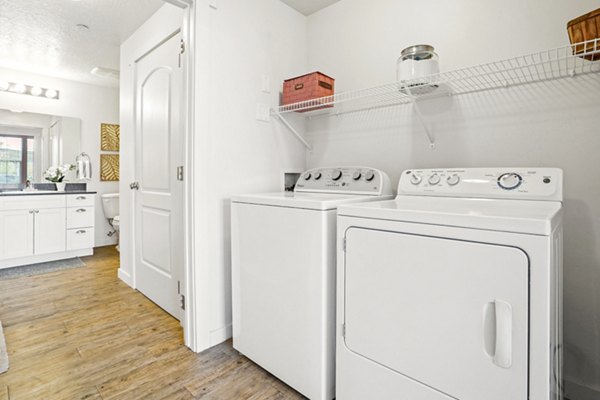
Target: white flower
(57, 173)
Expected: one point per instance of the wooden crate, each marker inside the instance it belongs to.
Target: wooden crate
(584, 28)
(308, 87)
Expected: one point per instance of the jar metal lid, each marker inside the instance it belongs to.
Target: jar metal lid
(421, 51)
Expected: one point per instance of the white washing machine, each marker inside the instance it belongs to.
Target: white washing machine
(453, 290)
(283, 274)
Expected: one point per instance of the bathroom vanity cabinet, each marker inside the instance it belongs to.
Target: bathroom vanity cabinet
(44, 227)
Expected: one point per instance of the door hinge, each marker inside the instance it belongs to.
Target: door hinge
(343, 330)
(182, 299)
(180, 173)
(181, 51)
(344, 245)
(178, 287)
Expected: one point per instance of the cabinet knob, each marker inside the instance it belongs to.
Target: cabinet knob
(80, 210)
(80, 232)
(80, 198)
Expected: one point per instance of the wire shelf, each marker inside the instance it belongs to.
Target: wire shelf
(562, 62)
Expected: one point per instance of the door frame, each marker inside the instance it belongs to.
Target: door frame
(127, 270)
(189, 323)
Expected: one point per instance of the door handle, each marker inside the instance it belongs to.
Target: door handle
(80, 210)
(80, 198)
(80, 232)
(134, 186)
(497, 332)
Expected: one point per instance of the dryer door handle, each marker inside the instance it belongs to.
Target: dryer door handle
(497, 332)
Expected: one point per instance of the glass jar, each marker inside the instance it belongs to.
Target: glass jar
(416, 62)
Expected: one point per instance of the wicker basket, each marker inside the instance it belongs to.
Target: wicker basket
(582, 29)
(308, 87)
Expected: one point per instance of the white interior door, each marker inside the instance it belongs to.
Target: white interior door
(159, 198)
(448, 314)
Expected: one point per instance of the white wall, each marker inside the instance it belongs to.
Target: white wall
(542, 125)
(92, 104)
(234, 153)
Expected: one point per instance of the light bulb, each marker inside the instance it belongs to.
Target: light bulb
(51, 93)
(36, 91)
(4, 85)
(19, 88)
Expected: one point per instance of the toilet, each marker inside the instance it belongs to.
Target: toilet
(110, 205)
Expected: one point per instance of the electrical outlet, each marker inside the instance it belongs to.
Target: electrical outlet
(263, 112)
(266, 84)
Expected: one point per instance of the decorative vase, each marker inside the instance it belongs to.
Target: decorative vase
(60, 186)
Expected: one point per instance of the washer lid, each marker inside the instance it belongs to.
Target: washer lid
(530, 217)
(310, 201)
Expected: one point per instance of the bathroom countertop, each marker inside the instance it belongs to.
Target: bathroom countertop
(45, 193)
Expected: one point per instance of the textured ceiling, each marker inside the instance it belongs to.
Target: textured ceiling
(308, 7)
(41, 36)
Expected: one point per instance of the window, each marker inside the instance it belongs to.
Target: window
(16, 159)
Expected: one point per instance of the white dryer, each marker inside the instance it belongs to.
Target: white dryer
(453, 290)
(283, 274)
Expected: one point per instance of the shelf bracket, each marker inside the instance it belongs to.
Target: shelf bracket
(292, 129)
(426, 128)
(421, 118)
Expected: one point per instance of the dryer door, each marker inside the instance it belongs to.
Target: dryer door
(446, 313)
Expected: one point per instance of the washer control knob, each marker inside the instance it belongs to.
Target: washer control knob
(434, 179)
(453, 180)
(307, 176)
(336, 175)
(510, 181)
(357, 175)
(415, 179)
(318, 175)
(370, 176)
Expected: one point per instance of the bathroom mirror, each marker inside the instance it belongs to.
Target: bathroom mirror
(30, 143)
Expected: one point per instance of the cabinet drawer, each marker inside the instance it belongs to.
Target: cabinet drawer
(78, 239)
(33, 202)
(80, 200)
(80, 217)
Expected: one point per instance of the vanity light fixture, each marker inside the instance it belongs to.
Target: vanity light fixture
(20, 88)
(51, 93)
(36, 91)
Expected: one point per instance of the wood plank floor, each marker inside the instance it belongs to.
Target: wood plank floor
(84, 334)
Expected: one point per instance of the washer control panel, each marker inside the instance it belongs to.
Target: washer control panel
(510, 183)
(345, 180)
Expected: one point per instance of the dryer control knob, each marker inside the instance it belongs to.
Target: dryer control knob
(336, 175)
(318, 176)
(434, 179)
(307, 176)
(415, 179)
(370, 176)
(510, 181)
(453, 180)
(357, 175)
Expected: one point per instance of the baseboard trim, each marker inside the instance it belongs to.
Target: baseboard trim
(576, 391)
(125, 277)
(18, 262)
(220, 335)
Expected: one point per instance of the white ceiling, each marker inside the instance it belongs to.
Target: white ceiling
(41, 36)
(308, 7)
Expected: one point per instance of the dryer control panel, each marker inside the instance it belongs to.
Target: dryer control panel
(345, 180)
(496, 183)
